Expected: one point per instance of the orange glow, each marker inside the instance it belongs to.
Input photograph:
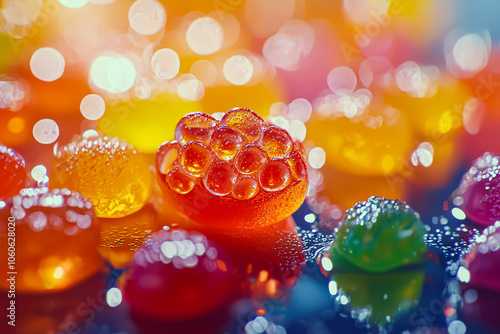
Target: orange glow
(221, 265)
(16, 125)
(272, 288)
(263, 275)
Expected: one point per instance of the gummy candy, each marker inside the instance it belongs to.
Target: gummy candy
(344, 189)
(250, 174)
(111, 173)
(438, 114)
(378, 235)
(366, 145)
(221, 98)
(59, 235)
(479, 192)
(143, 123)
(178, 275)
(12, 172)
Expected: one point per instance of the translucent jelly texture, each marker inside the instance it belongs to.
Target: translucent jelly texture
(178, 275)
(479, 192)
(111, 173)
(12, 172)
(378, 235)
(57, 239)
(251, 174)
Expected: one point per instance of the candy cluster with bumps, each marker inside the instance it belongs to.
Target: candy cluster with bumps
(239, 158)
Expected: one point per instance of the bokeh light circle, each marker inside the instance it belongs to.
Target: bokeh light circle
(46, 131)
(47, 64)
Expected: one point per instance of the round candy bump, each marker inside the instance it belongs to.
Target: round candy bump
(220, 178)
(246, 188)
(194, 158)
(226, 142)
(297, 165)
(297, 146)
(180, 182)
(250, 159)
(167, 156)
(12, 172)
(275, 175)
(276, 142)
(245, 121)
(195, 126)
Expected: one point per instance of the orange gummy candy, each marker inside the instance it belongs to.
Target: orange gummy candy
(111, 173)
(239, 172)
(56, 239)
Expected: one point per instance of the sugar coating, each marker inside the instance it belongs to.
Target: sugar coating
(111, 173)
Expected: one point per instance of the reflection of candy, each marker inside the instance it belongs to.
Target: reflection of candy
(479, 191)
(233, 182)
(178, 275)
(59, 236)
(111, 173)
(482, 264)
(44, 313)
(379, 235)
(121, 237)
(12, 172)
(387, 295)
(276, 249)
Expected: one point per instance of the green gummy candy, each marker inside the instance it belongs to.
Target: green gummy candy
(378, 235)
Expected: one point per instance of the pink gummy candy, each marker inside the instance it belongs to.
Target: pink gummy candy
(483, 261)
(479, 192)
